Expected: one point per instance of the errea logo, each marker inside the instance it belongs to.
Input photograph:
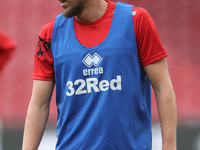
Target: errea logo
(89, 60)
(92, 60)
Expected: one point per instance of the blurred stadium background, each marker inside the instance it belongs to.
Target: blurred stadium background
(178, 24)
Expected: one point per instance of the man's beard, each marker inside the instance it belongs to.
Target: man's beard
(75, 10)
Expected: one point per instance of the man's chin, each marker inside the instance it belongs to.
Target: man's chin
(66, 15)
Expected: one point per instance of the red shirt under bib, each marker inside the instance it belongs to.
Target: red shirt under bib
(149, 46)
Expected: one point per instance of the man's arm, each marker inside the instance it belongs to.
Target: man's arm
(166, 101)
(37, 114)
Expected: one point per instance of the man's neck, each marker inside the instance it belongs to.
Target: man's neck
(94, 9)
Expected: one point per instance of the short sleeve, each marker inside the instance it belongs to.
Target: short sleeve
(43, 60)
(149, 45)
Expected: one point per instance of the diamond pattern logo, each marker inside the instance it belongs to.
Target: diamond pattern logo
(89, 60)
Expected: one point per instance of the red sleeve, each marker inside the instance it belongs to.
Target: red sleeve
(43, 62)
(149, 45)
(7, 46)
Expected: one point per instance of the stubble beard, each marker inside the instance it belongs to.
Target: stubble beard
(75, 10)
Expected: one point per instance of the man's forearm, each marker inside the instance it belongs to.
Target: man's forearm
(36, 120)
(166, 103)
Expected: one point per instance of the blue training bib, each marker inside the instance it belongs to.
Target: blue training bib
(102, 93)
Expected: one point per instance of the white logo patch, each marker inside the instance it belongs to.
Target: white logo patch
(134, 13)
(89, 60)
